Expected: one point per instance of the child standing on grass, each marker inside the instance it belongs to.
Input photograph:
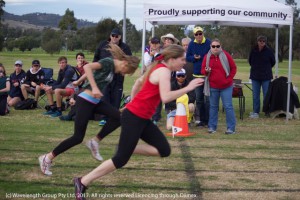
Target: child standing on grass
(136, 118)
(89, 101)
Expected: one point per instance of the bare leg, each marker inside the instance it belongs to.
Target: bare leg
(37, 92)
(13, 101)
(105, 168)
(24, 91)
(146, 149)
(58, 94)
(170, 123)
(50, 98)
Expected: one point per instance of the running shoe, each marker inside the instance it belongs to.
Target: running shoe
(211, 131)
(65, 118)
(44, 165)
(94, 148)
(49, 112)
(229, 132)
(254, 115)
(56, 114)
(79, 189)
(102, 122)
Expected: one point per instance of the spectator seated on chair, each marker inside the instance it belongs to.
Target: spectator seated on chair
(32, 82)
(16, 78)
(187, 99)
(4, 89)
(62, 87)
(80, 59)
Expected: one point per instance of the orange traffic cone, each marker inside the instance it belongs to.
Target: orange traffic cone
(180, 128)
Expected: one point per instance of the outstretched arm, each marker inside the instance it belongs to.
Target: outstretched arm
(162, 77)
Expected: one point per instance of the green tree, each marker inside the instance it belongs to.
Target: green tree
(87, 38)
(68, 21)
(133, 37)
(104, 28)
(2, 4)
(176, 30)
(51, 41)
(10, 44)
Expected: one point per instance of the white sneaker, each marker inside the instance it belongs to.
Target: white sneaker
(45, 166)
(254, 115)
(94, 147)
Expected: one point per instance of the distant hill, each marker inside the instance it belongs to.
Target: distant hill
(39, 20)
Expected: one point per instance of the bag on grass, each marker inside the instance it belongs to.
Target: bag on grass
(25, 105)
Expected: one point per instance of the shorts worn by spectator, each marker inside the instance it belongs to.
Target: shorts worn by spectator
(61, 88)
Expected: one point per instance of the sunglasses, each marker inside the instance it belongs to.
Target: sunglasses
(215, 46)
(114, 35)
(36, 65)
(18, 65)
(170, 39)
(180, 76)
(198, 34)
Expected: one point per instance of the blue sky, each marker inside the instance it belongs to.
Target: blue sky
(91, 10)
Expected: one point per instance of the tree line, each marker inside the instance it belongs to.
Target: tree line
(236, 40)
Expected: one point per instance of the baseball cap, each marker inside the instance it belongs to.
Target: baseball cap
(18, 62)
(155, 39)
(180, 72)
(115, 31)
(197, 29)
(35, 62)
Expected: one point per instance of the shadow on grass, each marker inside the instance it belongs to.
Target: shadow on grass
(195, 186)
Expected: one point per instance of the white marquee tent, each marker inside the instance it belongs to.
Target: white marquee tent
(246, 13)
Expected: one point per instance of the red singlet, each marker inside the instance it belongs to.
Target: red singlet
(147, 99)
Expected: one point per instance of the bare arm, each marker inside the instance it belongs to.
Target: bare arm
(88, 68)
(80, 80)
(7, 88)
(162, 77)
(136, 87)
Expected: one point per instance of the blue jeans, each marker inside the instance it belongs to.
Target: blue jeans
(202, 104)
(256, 85)
(226, 97)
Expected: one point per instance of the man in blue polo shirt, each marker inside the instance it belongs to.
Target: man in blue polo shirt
(195, 54)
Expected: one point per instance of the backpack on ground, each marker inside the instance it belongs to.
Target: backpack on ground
(25, 105)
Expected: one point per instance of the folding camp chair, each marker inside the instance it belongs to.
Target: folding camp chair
(48, 80)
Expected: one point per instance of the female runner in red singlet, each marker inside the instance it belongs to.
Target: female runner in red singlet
(136, 118)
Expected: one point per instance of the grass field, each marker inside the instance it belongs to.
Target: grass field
(262, 161)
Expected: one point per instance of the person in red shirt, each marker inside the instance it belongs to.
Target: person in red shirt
(136, 118)
(219, 68)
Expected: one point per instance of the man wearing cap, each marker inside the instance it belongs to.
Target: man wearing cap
(114, 90)
(16, 78)
(34, 78)
(197, 49)
(170, 107)
(261, 60)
